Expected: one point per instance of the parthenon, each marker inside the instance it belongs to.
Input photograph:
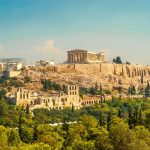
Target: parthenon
(84, 56)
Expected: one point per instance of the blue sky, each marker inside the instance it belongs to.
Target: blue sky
(46, 29)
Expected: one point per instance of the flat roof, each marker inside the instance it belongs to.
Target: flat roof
(78, 50)
(82, 50)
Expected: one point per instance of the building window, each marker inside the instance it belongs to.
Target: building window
(27, 96)
(23, 96)
(20, 96)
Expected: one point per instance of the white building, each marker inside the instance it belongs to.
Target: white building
(45, 63)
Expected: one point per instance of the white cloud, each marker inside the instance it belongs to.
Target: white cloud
(45, 50)
(48, 47)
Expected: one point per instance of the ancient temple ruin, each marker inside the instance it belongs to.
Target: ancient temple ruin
(84, 56)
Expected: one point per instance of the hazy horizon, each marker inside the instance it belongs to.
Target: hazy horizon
(37, 29)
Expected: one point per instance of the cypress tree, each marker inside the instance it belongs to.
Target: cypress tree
(109, 120)
(20, 126)
(119, 113)
(140, 118)
(27, 109)
(35, 135)
(72, 108)
(101, 122)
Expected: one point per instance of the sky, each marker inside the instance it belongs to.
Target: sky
(46, 29)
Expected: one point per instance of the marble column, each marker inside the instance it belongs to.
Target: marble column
(81, 57)
(85, 57)
(70, 57)
(77, 57)
(69, 60)
(73, 57)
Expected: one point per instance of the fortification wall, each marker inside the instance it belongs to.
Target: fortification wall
(106, 69)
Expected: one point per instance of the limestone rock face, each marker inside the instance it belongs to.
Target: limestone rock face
(107, 69)
(87, 75)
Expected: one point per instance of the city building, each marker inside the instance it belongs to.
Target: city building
(84, 56)
(11, 73)
(12, 64)
(45, 63)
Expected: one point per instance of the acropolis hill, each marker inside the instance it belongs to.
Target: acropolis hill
(87, 69)
(87, 75)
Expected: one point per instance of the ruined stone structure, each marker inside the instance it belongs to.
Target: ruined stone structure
(88, 75)
(22, 97)
(107, 75)
(51, 101)
(84, 56)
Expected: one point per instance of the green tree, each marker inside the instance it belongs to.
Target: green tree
(76, 133)
(3, 138)
(102, 141)
(117, 60)
(88, 121)
(83, 145)
(147, 90)
(120, 135)
(13, 137)
(143, 134)
(53, 139)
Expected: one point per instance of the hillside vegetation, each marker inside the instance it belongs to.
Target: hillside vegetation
(114, 125)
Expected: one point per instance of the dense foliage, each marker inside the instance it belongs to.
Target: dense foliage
(114, 125)
(117, 60)
(49, 85)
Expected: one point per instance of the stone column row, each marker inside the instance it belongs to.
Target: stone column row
(77, 57)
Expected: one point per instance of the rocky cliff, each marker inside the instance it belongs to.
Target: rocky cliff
(87, 75)
(123, 70)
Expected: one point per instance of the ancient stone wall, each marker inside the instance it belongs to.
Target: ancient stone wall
(107, 69)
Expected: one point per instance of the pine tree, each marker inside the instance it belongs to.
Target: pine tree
(130, 120)
(109, 120)
(119, 113)
(65, 125)
(147, 90)
(140, 118)
(101, 89)
(20, 125)
(142, 79)
(133, 90)
(101, 122)
(27, 109)
(35, 135)
(72, 108)
(129, 90)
